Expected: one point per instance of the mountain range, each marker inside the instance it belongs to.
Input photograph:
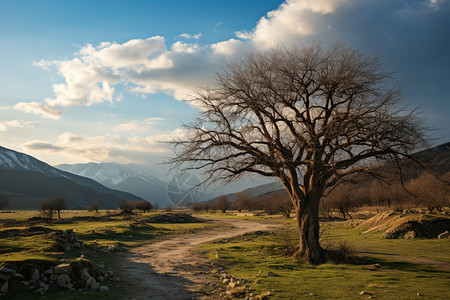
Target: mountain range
(138, 180)
(27, 181)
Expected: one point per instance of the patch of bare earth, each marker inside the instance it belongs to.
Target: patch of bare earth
(172, 269)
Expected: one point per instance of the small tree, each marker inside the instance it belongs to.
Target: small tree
(58, 203)
(4, 202)
(430, 191)
(47, 209)
(94, 207)
(222, 203)
(126, 206)
(143, 205)
(310, 116)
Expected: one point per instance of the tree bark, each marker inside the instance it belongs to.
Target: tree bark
(308, 224)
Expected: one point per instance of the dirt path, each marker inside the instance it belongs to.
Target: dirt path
(171, 269)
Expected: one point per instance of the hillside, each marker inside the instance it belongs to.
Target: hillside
(28, 180)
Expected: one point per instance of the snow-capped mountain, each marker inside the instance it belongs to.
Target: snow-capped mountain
(28, 181)
(10, 159)
(138, 180)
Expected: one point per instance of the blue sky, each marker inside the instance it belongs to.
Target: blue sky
(104, 81)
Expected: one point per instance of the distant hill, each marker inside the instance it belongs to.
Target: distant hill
(28, 181)
(137, 180)
(435, 159)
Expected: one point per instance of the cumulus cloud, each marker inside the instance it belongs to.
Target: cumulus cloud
(413, 33)
(106, 148)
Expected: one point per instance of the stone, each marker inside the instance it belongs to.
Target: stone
(232, 284)
(77, 245)
(364, 293)
(95, 286)
(85, 275)
(410, 235)
(35, 275)
(25, 283)
(39, 291)
(63, 280)
(7, 270)
(258, 281)
(271, 274)
(70, 287)
(46, 287)
(226, 280)
(100, 278)
(53, 277)
(5, 276)
(43, 278)
(18, 275)
(62, 269)
(90, 282)
(103, 288)
(444, 235)
(41, 284)
(4, 288)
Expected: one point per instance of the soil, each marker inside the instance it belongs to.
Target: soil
(173, 269)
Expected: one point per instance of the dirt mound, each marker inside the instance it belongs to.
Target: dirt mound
(173, 218)
(397, 225)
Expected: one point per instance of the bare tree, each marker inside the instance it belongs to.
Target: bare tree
(222, 203)
(3, 201)
(312, 117)
(143, 205)
(94, 206)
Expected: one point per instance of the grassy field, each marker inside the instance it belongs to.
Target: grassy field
(403, 274)
(23, 240)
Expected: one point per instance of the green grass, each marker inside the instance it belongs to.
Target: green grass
(251, 257)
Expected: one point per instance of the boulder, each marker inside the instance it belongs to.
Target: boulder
(90, 282)
(62, 269)
(85, 275)
(103, 288)
(39, 291)
(444, 235)
(63, 280)
(35, 275)
(95, 286)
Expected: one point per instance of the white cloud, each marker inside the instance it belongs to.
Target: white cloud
(151, 65)
(3, 127)
(73, 147)
(188, 36)
(41, 109)
(138, 125)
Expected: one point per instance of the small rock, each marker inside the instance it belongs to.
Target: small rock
(444, 235)
(62, 269)
(7, 270)
(35, 275)
(39, 291)
(41, 284)
(85, 275)
(90, 282)
(100, 278)
(43, 278)
(232, 284)
(103, 288)
(117, 247)
(70, 287)
(364, 293)
(95, 286)
(77, 245)
(46, 287)
(25, 283)
(271, 274)
(258, 281)
(63, 280)
(4, 288)
(226, 280)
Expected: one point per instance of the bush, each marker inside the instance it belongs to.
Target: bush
(143, 205)
(94, 206)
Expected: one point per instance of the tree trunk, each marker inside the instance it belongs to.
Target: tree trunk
(308, 224)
